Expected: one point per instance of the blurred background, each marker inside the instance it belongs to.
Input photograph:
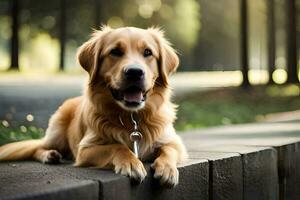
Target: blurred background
(239, 58)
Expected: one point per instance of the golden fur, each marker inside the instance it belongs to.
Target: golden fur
(89, 128)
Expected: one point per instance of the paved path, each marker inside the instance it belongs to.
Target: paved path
(40, 96)
(22, 85)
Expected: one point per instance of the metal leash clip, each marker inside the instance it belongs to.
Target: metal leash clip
(135, 137)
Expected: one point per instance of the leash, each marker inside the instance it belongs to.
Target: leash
(135, 136)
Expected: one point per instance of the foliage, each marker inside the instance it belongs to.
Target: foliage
(38, 21)
(234, 105)
(22, 133)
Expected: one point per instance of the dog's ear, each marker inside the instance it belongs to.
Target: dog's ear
(88, 54)
(168, 59)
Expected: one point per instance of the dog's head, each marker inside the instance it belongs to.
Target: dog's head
(128, 63)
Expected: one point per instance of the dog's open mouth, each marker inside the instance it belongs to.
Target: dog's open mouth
(132, 96)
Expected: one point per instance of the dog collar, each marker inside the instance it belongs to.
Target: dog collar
(135, 136)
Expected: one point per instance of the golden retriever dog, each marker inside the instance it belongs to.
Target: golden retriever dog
(128, 83)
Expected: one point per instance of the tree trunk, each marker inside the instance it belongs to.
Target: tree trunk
(244, 42)
(97, 14)
(292, 70)
(14, 65)
(62, 34)
(271, 39)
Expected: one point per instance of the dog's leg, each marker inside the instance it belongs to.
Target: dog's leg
(55, 141)
(47, 156)
(170, 155)
(115, 156)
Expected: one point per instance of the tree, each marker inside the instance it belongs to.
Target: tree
(97, 13)
(15, 35)
(62, 34)
(244, 43)
(271, 39)
(291, 42)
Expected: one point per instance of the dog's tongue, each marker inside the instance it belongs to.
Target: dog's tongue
(133, 97)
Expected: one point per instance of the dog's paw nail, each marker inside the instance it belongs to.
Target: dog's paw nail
(166, 174)
(134, 169)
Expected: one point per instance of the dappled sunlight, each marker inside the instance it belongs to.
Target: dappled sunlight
(257, 77)
(205, 33)
(224, 79)
(72, 65)
(115, 22)
(146, 8)
(39, 40)
(172, 15)
(188, 16)
(166, 12)
(279, 76)
(5, 33)
(283, 91)
(42, 78)
(4, 61)
(130, 11)
(40, 54)
(206, 79)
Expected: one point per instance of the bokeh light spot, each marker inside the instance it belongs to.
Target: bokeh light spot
(115, 22)
(5, 123)
(29, 117)
(23, 129)
(279, 76)
(146, 11)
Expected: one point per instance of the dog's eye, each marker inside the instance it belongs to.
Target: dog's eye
(147, 52)
(116, 52)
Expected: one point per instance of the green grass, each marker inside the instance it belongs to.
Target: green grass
(204, 109)
(16, 134)
(234, 105)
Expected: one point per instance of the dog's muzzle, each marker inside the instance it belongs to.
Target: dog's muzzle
(132, 94)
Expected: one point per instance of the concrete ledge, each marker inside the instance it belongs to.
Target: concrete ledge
(225, 172)
(289, 170)
(281, 162)
(31, 180)
(193, 184)
(259, 169)
(254, 161)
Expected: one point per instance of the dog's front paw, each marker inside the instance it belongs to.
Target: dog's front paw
(131, 167)
(166, 172)
(51, 157)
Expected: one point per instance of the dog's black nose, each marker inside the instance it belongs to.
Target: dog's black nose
(134, 73)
